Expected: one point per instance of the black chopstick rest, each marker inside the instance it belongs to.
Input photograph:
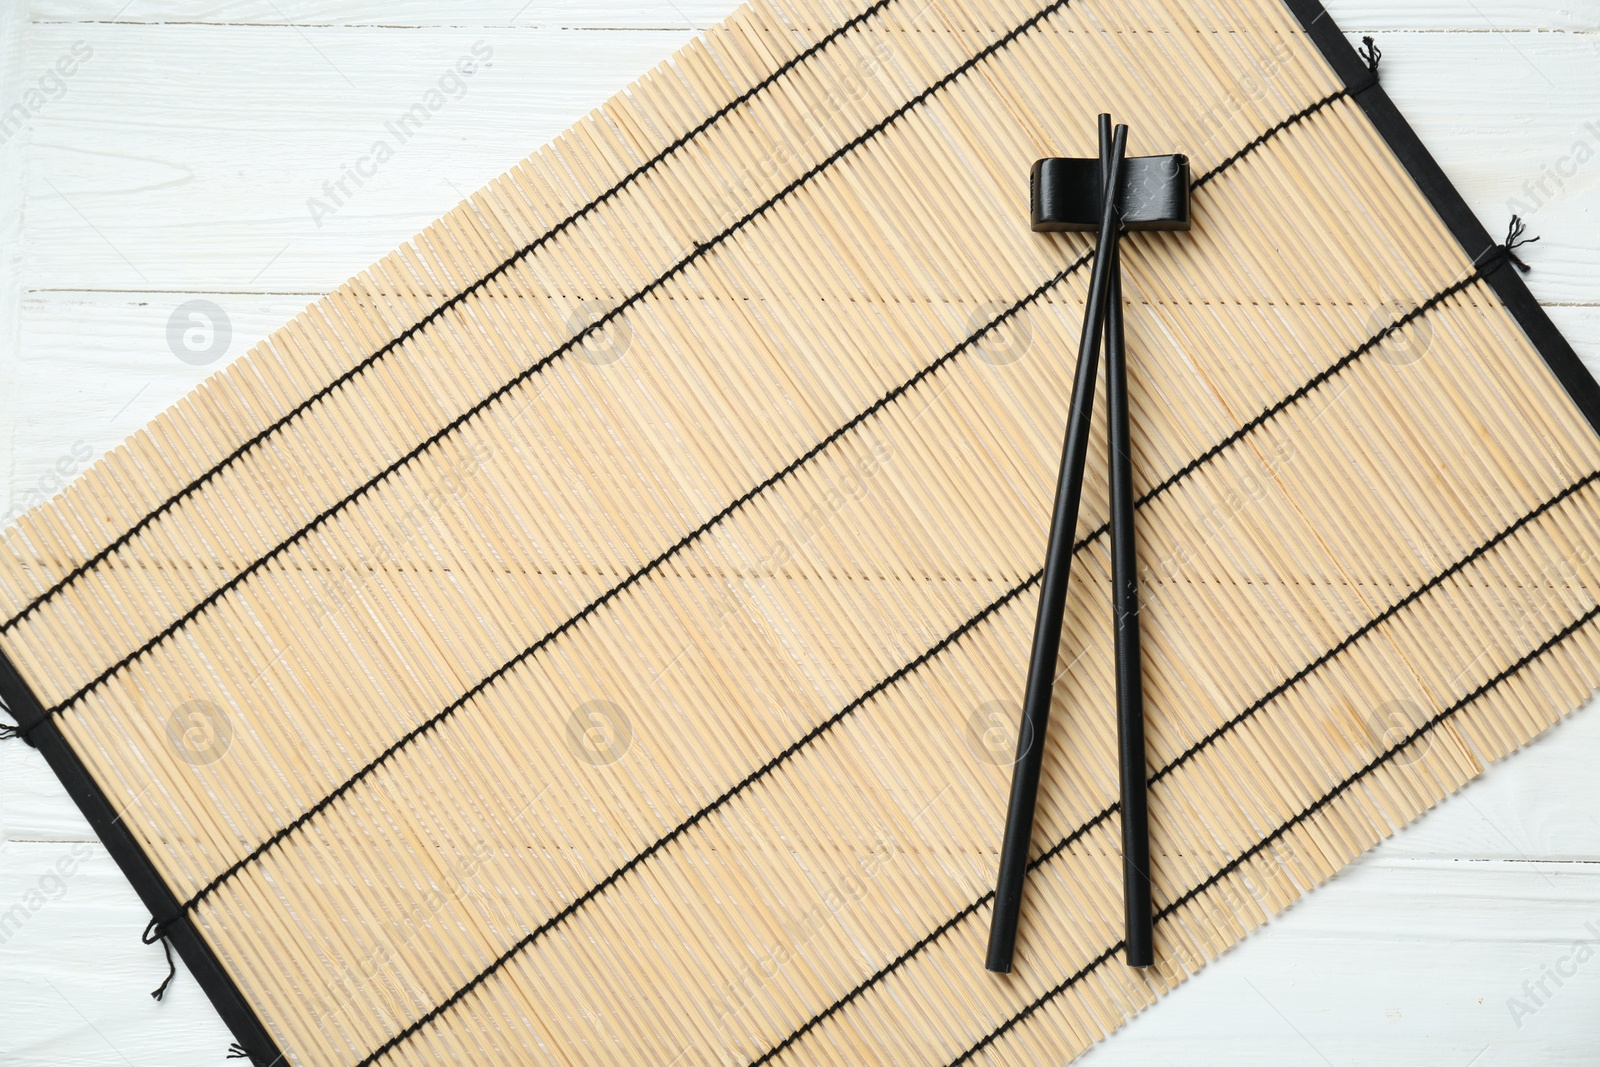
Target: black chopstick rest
(1066, 195)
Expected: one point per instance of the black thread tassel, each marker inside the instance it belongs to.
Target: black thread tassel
(1053, 596)
(172, 972)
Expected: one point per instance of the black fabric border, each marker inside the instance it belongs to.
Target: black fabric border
(1398, 135)
(1402, 140)
(207, 969)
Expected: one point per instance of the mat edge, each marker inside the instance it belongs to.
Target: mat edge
(1506, 281)
(214, 980)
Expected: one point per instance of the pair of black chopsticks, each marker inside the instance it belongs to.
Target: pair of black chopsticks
(1102, 318)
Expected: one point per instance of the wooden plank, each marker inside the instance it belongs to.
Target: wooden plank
(13, 60)
(1489, 16)
(219, 157)
(141, 170)
(94, 367)
(1581, 326)
(33, 806)
(1543, 808)
(596, 14)
(74, 976)
(1520, 135)
(1395, 962)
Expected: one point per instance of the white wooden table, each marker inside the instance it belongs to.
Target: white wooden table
(179, 160)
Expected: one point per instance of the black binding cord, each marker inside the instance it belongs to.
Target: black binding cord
(1372, 55)
(1506, 251)
(158, 932)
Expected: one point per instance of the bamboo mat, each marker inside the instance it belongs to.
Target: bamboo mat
(594, 634)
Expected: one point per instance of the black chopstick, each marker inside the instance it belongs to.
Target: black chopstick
(1139, 947)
